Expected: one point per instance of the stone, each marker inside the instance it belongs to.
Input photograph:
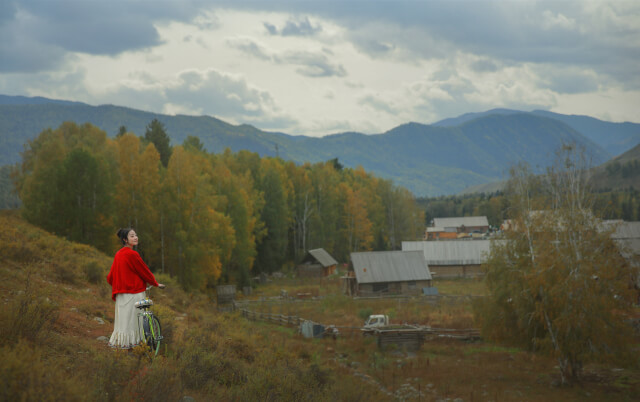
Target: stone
(100, 320)
(102, 339)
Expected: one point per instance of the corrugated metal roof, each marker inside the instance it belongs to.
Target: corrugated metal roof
(627, 230)
(451, 252)
(390, 266)
(466, 221)
(322, 257)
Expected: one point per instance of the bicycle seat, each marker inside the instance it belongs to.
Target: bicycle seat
(144, 303)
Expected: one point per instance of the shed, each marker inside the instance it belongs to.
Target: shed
(317, 263)
(452, 258)
(390, 272)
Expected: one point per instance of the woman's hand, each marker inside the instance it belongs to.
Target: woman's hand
(161, 285)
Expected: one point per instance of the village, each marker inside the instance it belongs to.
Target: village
(450, 257)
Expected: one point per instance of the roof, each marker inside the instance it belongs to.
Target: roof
(627, 230)
(320, 255)
(451, 252)
(390, 266)
(466, 221)
(627, 236)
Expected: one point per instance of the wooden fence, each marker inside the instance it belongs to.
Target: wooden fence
(409, 337)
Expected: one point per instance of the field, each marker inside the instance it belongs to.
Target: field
(57, 306)
(443, 368)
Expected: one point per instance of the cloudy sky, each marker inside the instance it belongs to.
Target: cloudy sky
(321, 67)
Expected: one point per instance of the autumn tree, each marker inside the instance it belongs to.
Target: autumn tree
(557, 281)
(357, 227)
(137, 193)
(66, 183)
(201, 236)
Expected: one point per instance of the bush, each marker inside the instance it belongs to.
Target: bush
(365, 313)
(65, 273)
(26, 376)
(93, 272)
(27, 316)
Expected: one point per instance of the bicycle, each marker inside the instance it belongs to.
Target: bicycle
(149, 324)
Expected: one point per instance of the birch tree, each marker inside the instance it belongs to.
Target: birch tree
(557, 281)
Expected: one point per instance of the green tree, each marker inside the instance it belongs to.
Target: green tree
(275, 185)
(192, 142)
(157, 135)
(557, 281)
(45, 182)
(83, 205)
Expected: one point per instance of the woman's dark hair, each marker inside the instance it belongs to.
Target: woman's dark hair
(123, 233)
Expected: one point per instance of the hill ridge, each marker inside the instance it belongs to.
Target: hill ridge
(427, 159)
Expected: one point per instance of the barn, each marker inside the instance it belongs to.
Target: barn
(317, 264)
(452, 258)
(378, 273)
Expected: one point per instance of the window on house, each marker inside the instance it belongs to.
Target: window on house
(411, 284)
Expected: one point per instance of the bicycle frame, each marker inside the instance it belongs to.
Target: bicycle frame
(148, 324)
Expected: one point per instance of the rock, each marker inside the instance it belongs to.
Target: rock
(179, 318)
(100, 320)
(75, 310)
(102, 339)
(187, 399)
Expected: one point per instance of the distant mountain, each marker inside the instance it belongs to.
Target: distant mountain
(428, 160)
(615, 138)
(619, 173)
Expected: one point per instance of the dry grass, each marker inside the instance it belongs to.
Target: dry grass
(213, 356)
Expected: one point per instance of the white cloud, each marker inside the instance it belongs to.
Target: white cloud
(319, 67)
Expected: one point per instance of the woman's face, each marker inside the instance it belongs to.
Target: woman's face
(132, 238)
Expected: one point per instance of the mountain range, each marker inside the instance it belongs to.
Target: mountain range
(442, 158)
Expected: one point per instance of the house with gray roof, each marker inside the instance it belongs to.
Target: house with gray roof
(451, 228)
(387, 272)
(452, 258)
(317, 263)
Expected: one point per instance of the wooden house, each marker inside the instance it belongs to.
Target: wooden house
(452, 258)
(317, 264)
(452, 228)
(379, 273)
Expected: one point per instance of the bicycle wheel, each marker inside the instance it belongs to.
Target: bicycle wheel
(154, 338)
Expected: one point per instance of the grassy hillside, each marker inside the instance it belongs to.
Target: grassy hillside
(57, 304)
(428, 160)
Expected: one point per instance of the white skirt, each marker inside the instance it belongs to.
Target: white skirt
(126, 331)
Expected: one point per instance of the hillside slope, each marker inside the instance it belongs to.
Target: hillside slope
(57, 312)
(615, 138)
(619, 173)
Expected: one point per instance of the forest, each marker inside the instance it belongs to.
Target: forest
(205, 218)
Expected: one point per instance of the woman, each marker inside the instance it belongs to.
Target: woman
(128, 278)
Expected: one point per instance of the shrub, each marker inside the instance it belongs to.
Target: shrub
(65, 273)
(157, 382)
(93, 272)
(27, 316)
(365, 313)
(26, 376)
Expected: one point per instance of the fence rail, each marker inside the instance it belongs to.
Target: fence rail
(409, 337)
